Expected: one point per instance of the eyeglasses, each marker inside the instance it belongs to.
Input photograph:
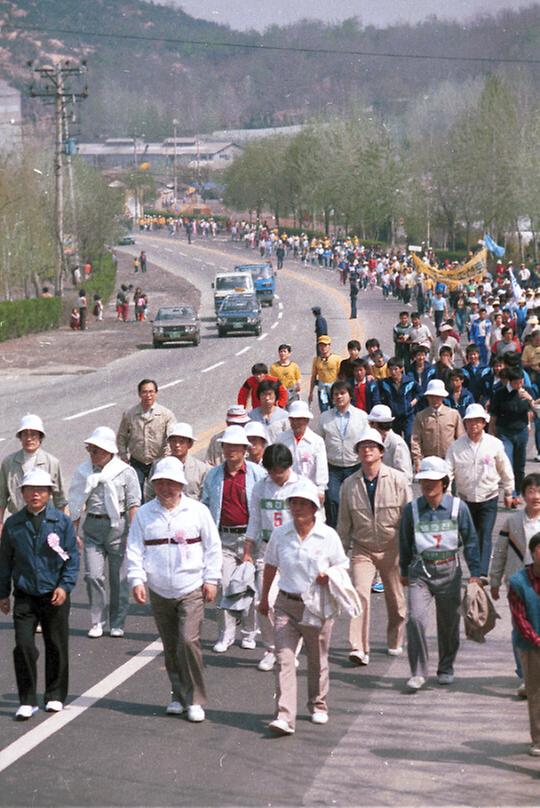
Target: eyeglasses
(92, 449)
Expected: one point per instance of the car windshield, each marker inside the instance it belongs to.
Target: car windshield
(230, 283)
(174, 314)
(238, 303)
(257, 270)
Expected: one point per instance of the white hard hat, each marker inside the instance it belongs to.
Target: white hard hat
(476, 411)
(380, 414)
(300, 409)
(436, 388)
(370, 435)
(30, 421)
(234, 434)
(254, 429)
(181, 430)
(433, 468)
(104, 438)
(169, 468)
(37, 477)
(305, 489)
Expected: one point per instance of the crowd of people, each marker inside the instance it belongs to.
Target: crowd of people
(295, 518)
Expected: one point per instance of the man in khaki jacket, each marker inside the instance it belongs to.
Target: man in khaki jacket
(436, 427)
(369, 513)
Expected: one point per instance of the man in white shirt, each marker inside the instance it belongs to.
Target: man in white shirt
(479, 464)
(174, 548)
(307, 448)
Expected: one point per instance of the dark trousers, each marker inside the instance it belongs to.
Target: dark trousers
(353, 307)
(28, 611)
(336, 475)
(142, 470)
(438, 318)
(403, 427)
(515, 446)
(484, 515)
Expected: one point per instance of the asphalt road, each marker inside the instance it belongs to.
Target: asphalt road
(113, 745)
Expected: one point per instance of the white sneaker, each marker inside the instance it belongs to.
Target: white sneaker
(221, 646)
(396, 651)
(96, 631)
(267, 662)
(359, 658)
(174, 708)
(54, 706)
(117, 632)
(280, 727)
(25, 712)
(39, 630)
(521, 692)
(195, 713)
(416, 682)
(248, 644)
(319, 717)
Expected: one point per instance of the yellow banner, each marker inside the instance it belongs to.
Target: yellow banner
(473, 269)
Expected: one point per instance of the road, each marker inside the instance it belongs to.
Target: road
(464, 745)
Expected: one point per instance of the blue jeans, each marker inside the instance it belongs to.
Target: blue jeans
(336, 475)
(483, 516)
(515, 446)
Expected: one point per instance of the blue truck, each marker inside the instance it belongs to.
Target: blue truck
(263, 279)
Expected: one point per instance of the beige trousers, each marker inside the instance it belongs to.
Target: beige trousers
(530, 661)
(364, 567)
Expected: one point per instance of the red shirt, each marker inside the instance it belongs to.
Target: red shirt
(250, 388)
(360, 396)
(234, 509)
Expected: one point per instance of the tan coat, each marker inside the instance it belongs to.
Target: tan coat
(358, 526)
(433, 432)
(11, 475)
(145, 439)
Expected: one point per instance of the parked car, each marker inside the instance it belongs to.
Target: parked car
(227, 283)
(126, 239)
(176, 324)
(264, 280)
(239, 313)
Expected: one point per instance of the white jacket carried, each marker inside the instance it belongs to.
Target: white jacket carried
(324, 602)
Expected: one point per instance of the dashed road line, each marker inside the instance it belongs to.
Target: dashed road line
(280, 315)
(238, 353)
(212, 367)
(89, 412)
(170, 384)
(263, 336)
(274, 325)
(281, 306)
(182, 254)
(199, 260)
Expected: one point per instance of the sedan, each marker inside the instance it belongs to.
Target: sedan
(239, 313)
(176, 324)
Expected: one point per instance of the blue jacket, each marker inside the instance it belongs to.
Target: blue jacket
(520, 584)
(27, 559)
(475, 380)
(464, 400)
(213, 487)
(400, 401)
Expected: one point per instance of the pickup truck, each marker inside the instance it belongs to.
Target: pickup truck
(231, 283)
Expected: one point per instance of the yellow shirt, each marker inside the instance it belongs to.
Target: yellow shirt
(326, 370)
(531, 357)
(379, 373)
(288, 375)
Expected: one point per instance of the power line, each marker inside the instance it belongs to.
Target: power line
(276, 48)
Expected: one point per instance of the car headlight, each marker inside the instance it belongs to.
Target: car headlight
(191, 328)
(158, 331)
(221, 321)
(252, 320)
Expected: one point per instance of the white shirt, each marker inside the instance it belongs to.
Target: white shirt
(309, 456)
(479, 468)
(300, 561)
(268, 507)
(174, 570)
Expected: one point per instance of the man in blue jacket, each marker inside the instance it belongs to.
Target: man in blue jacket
(39, 554)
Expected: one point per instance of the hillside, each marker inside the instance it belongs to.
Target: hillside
(144, 67)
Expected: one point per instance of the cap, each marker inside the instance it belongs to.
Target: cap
(305, 489)
(30, 421)
(433, 468)
(234, 434)
(181, 430)
(300, 409)
(476, 411)
(237, 414)
(104, 438)
(316, 309)
(254, 429)
(380, 414)
(445, 327)
(169, 468)
(436, 388)
(37, 477)
(370, 434)
(325, 339)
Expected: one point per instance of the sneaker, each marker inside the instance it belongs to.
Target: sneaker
(267, 662)
(280, 727)
(396, 651)
(96, 631)
(54, 706)
(248, 644)
(195, 713)
(537, 458)
(25, 712)
(174, 708)
(221, 646)
(521, 692)
(39, 630)
(378, 586)
(534, 750)
(359, 658)
(445, 678)
(319, 717)
(117, 632)
(416, 682)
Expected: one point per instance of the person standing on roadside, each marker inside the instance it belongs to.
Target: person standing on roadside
(353, 294)
(82, 304)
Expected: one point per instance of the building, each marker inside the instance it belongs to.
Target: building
(194, 152)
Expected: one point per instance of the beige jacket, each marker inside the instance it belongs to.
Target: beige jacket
(195, 471)
(358, 526)
(433, 432)
(11, 475)
(509, 552)
(144, 439)
(341, 450)
(479, 468)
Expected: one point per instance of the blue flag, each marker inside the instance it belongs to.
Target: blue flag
(493, 247)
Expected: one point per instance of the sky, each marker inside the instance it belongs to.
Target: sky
(259, 14)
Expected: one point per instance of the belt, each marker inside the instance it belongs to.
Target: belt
(239, 529)
(102, 515)
(154, 542)
(290, 595)
(438, 558)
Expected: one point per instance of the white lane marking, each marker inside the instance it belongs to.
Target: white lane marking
(238, 353)
(199, 260)
(210, 264)
(168, 249)
(280, 315)
(263, 336)
(30, 740)
(225, 268)
(277, 298)
(182, 254)
(170, 384)
(1, 439)
(280, 305)
(212, 367)
(89, 412)
(274, 325)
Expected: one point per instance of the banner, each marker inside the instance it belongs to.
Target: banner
(493, 247)
(453, 277)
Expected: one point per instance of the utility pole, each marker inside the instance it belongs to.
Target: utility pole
(54, 87)
(175, 173)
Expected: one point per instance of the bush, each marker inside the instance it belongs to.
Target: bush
(20, 317)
